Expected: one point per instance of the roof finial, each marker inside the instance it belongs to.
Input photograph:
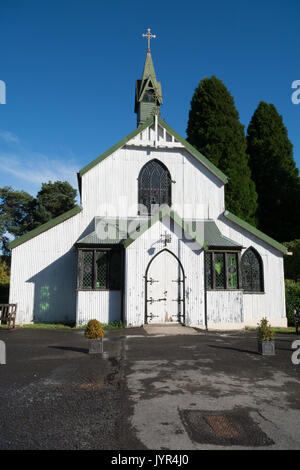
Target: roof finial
(149, 35)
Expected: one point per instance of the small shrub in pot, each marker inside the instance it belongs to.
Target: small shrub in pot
(94, 333)
(266, 344)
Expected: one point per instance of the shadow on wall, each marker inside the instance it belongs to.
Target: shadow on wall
(55, 290)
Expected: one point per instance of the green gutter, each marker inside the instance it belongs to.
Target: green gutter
(43, 228)
(159, 216)
(194, 152)
(116, 146)
(256, 232)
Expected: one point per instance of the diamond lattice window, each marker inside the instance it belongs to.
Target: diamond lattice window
(100, 269)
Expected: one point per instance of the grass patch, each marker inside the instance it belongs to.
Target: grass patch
(46, 326)
(287, 330)
(69, 326)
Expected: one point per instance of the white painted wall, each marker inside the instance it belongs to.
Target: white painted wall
(111, 187)
(272, 303)
(225, 309)
(44, 273)
(104, 306)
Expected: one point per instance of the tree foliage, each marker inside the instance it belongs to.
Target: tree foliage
(292, 263)
(4, 272)
(275, 174)
(54, 199)
(16, 214)
(20, 212)
(292, 299)
(215, 130)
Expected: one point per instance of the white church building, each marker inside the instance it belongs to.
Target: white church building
(151, 241)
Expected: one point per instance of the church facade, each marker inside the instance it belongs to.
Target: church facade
(151, 242)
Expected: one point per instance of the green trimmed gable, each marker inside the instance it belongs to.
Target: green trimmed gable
(43, 228)
(207, 163)
(262, 236)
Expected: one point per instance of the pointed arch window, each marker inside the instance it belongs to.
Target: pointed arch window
(154, 187)
(252, 271)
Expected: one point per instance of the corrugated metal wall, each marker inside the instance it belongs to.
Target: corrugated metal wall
(104, 306)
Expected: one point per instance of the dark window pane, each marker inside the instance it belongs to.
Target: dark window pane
(115, 270)
(208, 270)
(87, 269)
(219, 270)
(101, 269)
(232, 271)
(252, 271)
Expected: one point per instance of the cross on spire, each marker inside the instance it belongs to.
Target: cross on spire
(149, 36)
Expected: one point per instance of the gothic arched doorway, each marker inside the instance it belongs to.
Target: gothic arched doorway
(165, 289)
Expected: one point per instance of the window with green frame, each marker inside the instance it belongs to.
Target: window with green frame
(99, 269)
(222, 270)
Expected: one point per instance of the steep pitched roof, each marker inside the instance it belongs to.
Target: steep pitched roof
(115, 147)
(207, 163)
(256, 232)
(43, 228)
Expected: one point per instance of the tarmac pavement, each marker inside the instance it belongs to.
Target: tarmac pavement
(206, 390)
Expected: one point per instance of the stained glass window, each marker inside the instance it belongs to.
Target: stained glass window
(232, 271)
(252, 271)
(221, 270)
(154, 187)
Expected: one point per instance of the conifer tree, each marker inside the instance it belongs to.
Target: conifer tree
(275, 174)
(215, 130)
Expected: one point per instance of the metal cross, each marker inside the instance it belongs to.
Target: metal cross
(149, 36)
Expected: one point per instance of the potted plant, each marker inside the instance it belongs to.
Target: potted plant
(266, 343)
(94, 333)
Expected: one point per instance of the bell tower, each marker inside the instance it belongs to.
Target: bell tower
(148, 95)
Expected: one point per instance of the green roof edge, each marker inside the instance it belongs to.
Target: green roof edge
(262, 236)
(43, 228)
(195, 152)
(116, 146)
(159, 216)
(207, 163)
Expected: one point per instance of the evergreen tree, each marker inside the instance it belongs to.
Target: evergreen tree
(20, 212)
(16, 214)
(275, 174)
(215, 130)
(54, 199)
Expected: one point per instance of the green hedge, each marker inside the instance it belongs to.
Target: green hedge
(292, 299)
(292, 263)
(4, 293)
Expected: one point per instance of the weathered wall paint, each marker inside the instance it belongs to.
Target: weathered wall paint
(104, 306)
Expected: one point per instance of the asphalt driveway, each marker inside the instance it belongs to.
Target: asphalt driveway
(148, 391)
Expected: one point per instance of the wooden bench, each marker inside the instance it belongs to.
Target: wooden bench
(8, 314)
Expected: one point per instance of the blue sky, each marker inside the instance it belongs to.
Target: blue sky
(70, 69)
